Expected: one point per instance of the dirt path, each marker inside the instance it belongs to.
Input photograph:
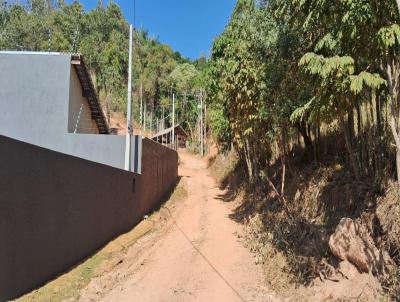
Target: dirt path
(195, 256)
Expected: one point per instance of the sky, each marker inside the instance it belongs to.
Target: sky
(189, 26)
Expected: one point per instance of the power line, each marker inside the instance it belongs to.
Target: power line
(204, 257)
(134, 14)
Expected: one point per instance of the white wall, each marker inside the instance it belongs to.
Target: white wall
(79, 117)
(34, 105)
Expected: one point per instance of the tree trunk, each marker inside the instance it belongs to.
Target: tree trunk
(398, 5)
(315, 142)
(398, 167)
(345, 130)
(358, 118)
(379, 133)
(360, 134)
(302, 128)
(350, 124)
(248, 158)
(393, 116)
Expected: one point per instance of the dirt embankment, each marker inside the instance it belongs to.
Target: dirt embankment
(294, 251)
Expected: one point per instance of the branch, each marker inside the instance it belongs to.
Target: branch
(281, 198)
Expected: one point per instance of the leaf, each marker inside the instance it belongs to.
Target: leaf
(390, 35)
(365, 79)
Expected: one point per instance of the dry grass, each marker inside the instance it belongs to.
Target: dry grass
(222, 166)
(319, 195)
(388, 212)
(275, 265)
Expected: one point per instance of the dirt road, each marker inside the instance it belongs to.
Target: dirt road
(195, 256)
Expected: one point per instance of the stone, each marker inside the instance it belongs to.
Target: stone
(348, 270)
(351, 242)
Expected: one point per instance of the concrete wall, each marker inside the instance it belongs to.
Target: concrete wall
(35, 94)
(79, 115)
(159, 171)
(56, 209)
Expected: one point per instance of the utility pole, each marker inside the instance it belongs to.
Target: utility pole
(198, 118)
(144, 116)
(129, 108)
(201, 125)
(157, 126)
(163, 119)
(173, 120)
(151, 120)
(141, 105)
(205, 124)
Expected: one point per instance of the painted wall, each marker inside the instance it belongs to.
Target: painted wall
(79, 114)
(63, 195)
(56, 209)
(35, 94)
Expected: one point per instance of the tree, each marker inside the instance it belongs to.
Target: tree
(238, 63)
(365, 30)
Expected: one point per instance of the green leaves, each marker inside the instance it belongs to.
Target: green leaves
(364, 80)
(389, 36)
(327, 67)
(183, 77)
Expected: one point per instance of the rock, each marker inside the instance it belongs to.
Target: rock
(348, 270)
(297, 195)
(352, 242)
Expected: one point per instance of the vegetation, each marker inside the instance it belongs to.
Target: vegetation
(283, 69)
(307, 94)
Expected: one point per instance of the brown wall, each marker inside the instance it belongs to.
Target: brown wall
(56, 210)
(159, 171)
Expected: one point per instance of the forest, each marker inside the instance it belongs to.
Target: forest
(307, 94)
(304, 93)
(309, 68)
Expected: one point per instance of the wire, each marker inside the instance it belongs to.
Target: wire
(134, 14)
(204, 257)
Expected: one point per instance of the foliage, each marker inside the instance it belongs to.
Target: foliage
(282, 67)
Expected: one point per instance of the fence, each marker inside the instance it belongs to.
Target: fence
(56, 209)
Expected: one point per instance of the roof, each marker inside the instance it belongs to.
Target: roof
(178, 128)
(89, 92)
(39, 53)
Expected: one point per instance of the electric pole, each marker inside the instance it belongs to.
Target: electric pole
(163, 119)
(144, 116)
(141, 105)
(129, 108)
(173, 120)
(151, 120)
(205, 124)
(201, 125)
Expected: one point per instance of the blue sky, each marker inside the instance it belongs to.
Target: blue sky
(189, 26)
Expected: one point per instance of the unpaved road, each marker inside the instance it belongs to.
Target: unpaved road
(196, 256)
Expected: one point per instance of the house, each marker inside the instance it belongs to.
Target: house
(49, 100)
(165, 136)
